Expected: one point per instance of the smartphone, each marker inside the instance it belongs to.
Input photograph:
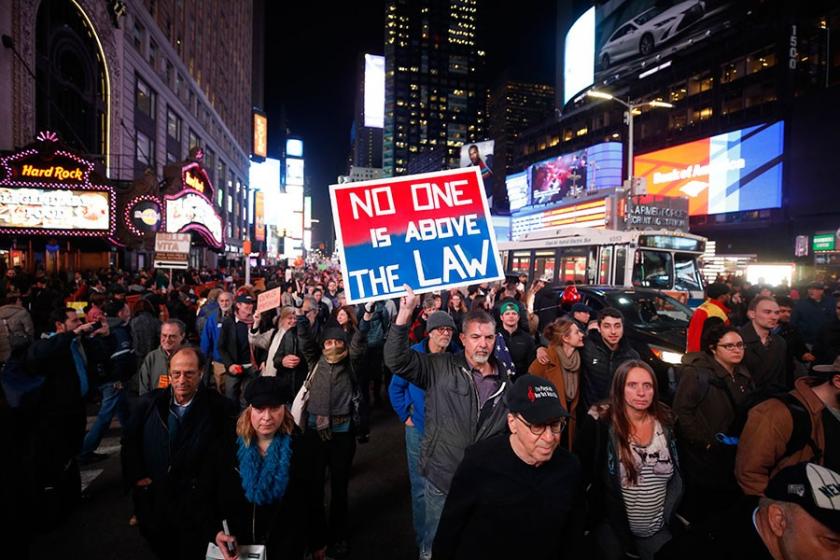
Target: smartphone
(231, 546)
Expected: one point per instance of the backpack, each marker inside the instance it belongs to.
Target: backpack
(800, 435)
(17, 339)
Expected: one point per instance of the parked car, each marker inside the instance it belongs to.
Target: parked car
(647, 31)
(655, 325)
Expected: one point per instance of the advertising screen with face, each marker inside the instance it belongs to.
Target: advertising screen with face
(576, 173)
(732, 172)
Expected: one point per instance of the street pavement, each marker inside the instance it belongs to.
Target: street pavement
(380, 510)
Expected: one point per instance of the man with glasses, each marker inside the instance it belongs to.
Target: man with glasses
(164, 448)
(153, 371)
(464, 400)
(522, 482)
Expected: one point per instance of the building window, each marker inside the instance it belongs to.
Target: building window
(733, 70)
(210, 163)
(700, 83)
(761, 60)
(144, 149)
(138, 35)
(144, 98)
(170, 71)
(153, 54)
(220, 198)
(173, 124)
(229, 203)
(194, 140)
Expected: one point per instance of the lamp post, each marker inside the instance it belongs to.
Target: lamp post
(629, 107)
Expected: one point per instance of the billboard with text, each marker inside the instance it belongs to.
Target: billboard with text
(590, 169)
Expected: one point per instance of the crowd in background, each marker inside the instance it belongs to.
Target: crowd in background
(532, 426)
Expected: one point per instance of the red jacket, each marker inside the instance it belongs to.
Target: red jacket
(707, 309)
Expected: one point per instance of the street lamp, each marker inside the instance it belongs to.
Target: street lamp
(628, 118)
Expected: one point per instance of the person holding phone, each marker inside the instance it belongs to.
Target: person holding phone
(258, 483)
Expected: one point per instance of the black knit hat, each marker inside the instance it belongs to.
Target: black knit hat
(334, 333)
(267, 391)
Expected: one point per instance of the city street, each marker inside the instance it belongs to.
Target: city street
(380, 514)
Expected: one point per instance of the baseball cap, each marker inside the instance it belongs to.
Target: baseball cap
(267, 391)
(508, 306)
(439, 319)
(828, 368)
(536, 400)
(245, 299)
(814, 488)
(581, 308)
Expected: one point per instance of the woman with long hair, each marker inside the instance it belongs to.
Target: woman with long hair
(627, 449)
(563, 368)
(713, 391)
(345, 317)
(457, 309)
(256, 481)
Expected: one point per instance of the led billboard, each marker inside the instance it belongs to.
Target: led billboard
(517, 190)
(480, 154)
(264, 176)
(731, 172)
(590, 169)
(578, 53)
(374, 91)
(260, 143)
(294, 172)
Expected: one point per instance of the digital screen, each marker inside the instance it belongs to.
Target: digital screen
(54, 209)
(824, 242)
(633, 37)
(576, 173)
(259, 216)
(294, 147)
(294, 172)
(731, 172)
(517, 189)
(260, 147)
(374, 91)
(264, 175)
(480, 154)
(289, 211)
(189, 211)
(579, 51)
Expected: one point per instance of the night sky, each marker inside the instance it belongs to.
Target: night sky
(312, 51)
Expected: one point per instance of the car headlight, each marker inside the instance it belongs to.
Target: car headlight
(666, 354)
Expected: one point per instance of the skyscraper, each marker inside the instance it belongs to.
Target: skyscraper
(366, 134)
(434, 92)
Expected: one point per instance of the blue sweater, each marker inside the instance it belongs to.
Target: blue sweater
(209, 342)
(407, 399)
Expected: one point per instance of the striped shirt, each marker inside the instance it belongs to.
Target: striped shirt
(645, 501)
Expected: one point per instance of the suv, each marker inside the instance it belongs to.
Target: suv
(654, 324)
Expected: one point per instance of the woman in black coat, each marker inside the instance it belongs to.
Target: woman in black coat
(258, 483)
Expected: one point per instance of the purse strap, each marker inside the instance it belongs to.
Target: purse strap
(308, 381)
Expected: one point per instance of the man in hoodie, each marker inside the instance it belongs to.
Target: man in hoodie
(603, 351)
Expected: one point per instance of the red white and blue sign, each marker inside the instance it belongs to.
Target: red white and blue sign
(429, 231)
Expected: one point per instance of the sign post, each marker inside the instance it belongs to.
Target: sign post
(246, 248)
(430, 232)
(172, 250)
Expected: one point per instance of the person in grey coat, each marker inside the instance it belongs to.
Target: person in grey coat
(464, 400)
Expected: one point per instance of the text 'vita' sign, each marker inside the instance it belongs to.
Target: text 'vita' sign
(429, 231)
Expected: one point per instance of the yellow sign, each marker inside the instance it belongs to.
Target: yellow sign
(260, 147)
(195, 183)
(259, 216)
(52, 172)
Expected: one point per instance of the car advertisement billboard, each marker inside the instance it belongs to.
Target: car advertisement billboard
(632, 36)
(578, 53)
(732, 172)
(576, 173)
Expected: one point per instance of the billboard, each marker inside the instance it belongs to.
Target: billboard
(480, 154)
(573, 174)
(260, 143)
(732, 172)
(374, 91)
(578, 54)
(55, 209)
(191, 211)
(634, 36)
(517, 190)
(430, 231)
(294, 172)
(259, 216)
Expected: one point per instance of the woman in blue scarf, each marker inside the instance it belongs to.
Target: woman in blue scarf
(258, 482)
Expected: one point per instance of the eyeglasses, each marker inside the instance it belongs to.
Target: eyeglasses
(539, 429)
(732, 346)
(445, 330)
(191, 374)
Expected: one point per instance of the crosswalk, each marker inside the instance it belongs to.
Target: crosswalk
(109, 446)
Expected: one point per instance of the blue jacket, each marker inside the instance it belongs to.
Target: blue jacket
(407, 399)
(210, 336)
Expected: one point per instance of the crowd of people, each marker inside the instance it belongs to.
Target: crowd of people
(532, 427)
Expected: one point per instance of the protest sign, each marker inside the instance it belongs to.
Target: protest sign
(269, 300)
(429, 231)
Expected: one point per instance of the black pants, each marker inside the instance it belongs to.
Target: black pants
(369, 371)
(336, 455)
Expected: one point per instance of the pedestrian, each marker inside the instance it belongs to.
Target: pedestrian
(802, 425)
(629, 457)
(710, 404)
(765, 353)
(799, 357)
(717, 298)
(520, 343)
(464, 400)
(408, 401)
(166, 445)
(827, 347)
(259, 482)
(210, 334)
(16, 326)
(154, 370)
(581, 314)
(330, 426)
(603, 351)
(457, 309)
(526, 478)
(235, 349)
(812, 313)
(799, 518)
(145, 329)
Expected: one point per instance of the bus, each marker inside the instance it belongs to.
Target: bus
(659, 259)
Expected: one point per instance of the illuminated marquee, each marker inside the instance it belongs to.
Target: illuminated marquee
(260, 144)
(46, 190)
(193, 176)
(191, 211)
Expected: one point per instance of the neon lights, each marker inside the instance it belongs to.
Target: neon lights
(131, 207)
(190, 210)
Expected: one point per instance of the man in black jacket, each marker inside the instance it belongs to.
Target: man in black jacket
(536, 485)
(765, 353)
(603, 351)
(520, 343)
(164, 448)
(235, 349)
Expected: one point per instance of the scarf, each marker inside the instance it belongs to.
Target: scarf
(335, 354)
(264, 479)
(570, 367)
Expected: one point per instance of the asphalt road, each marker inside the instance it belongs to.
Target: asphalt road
(380, 510)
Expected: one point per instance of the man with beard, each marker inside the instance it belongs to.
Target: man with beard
(464, 400)
(803, 425)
